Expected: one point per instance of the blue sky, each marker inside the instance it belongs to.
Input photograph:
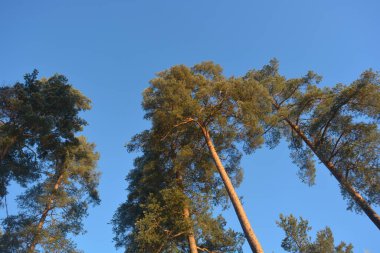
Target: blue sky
(110, 49)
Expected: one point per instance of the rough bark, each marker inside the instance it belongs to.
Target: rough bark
(48, 208)
(243, 219)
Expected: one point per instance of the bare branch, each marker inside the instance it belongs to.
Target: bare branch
(207, 250)
(186, 121)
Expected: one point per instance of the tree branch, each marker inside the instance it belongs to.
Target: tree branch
(186, 121)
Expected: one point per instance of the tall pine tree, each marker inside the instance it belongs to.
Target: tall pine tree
(203, 100)
(39, 124)
(34, 117)
(171, 195)
(338, 125)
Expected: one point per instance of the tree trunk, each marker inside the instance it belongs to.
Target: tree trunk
(243, 219)
(48, 207)
(190, 237)
(186, 214)
(355, 195)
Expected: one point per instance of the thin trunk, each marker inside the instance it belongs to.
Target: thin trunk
(243, 219)
(186, 214)
(44, 214)
(355, 195)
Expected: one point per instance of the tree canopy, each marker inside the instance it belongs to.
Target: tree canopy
(171, 197)
(338, 125)
(189, 160)
(297, 239)
(39, 123)
(35, 117)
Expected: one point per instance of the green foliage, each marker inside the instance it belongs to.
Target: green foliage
(162, 222)
(297, 239)
(39, 148)
(341, 123)
(231, 108)
(166, 179)
(35, 117)
(285, 95)
(64, 193)
(181, 102)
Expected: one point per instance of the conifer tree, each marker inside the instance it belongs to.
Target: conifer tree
(203, 100)
(54, 207)
(39, 123)
(338, 125)
(297, 239)
(34, 117)
(171, 195)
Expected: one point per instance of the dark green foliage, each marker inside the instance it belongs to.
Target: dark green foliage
(66, 205)
(35, 117)
(297, 239)
(166, 180)
(16, 237)
(39, 122)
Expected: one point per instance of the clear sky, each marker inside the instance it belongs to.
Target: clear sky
(110, 49)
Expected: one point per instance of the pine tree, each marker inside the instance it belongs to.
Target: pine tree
(39, 123)
(171, 195)
(297, 239)
(55, 207)
(34, 117)
(203, 100)
(338, 125)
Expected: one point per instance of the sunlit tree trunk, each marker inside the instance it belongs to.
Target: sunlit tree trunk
(190, 237)
(48, 208)
(186, 214)
(243, 219)
(355, 195)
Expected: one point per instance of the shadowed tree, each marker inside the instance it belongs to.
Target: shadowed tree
(201, 100)
(338, 125)
(297, 239)
(34, 117)
(39, 121)
(54, 208)
(171, 196)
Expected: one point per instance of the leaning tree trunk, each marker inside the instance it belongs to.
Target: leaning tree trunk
(48, 208)
(243, 219)
(355, 195)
